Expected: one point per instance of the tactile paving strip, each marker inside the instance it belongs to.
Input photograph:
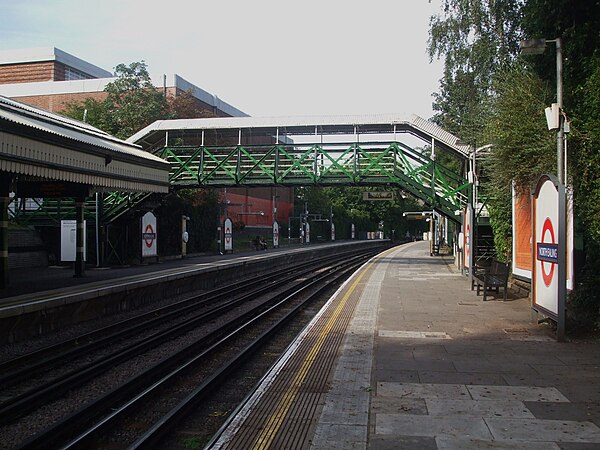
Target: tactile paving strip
(289, 408)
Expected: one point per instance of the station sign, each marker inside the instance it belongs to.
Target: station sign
(275, 234)
(378, 196)
(51, 189)
(467, 244)
(549, 255)
(228, 235)
(149, 235)
(68, 240)
(523, 248)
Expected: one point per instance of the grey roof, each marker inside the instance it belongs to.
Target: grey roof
(28, 55)
(39, 143)
(71, 129)
(363, 124)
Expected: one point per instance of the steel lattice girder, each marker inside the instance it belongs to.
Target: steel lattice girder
(370, 163)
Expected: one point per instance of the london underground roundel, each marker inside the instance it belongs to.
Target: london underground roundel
(547, 252)
(546, 234)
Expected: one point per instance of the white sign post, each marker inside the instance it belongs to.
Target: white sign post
(149, 236)
(228, 235)
(68, 244)
(468, 239)
(275, 234)
(549, 255)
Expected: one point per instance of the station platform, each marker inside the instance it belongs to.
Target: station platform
(39, 301)
(405, 356)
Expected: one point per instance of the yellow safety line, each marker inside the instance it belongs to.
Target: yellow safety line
(265, 438)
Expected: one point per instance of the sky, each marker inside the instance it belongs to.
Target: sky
(265, 57)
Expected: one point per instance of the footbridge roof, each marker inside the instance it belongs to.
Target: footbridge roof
(309, 125)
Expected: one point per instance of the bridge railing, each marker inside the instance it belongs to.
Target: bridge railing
(368, 163)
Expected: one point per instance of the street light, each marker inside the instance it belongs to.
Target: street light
(556, 121)
(537, 47)
(473, 178)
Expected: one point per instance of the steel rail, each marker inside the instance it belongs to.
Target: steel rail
(62, 429)
(216, 378)
(19, 406)
(40, 360)
(170, 420)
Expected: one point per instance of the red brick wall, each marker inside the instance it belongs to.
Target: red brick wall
(27, 73)
(59, 72)
(58, 102)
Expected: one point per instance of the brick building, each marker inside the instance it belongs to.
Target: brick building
(51, 78)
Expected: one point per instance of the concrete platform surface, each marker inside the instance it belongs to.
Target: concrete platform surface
(426, 364)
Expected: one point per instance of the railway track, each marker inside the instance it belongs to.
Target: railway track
(261, 301)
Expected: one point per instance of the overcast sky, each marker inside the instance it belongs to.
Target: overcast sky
(265, 57)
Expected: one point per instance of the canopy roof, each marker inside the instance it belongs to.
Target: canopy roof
(41, 144)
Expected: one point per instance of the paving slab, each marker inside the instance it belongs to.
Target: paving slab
(449, 443)
(409, 425)
(402, 443)
(522, 393)
(460, 378)
(543, 430)
(414, 406)
(478, 408)
(422, 390)
(580, 411)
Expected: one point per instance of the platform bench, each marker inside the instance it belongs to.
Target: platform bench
(494, 276)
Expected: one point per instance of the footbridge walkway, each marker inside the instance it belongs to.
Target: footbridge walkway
(405, 151)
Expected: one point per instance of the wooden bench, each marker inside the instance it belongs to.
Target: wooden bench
(494, 276)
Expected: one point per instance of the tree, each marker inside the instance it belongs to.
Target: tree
(523, 148)
(349, 208)
(489, 96)
(131, 104)
(186, 106)
(476, 38)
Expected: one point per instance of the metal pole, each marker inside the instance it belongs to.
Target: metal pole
(559, 99)
(562, 207)
(79, 237)
(97, 230)
(562, 265)
(5, 180)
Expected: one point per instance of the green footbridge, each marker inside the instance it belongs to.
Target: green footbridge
(410, 153)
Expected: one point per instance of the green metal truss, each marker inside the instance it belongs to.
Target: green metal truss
(50, 211)
(357, 164)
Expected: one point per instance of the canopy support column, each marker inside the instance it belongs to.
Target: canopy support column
(5, 180)
(79, 234)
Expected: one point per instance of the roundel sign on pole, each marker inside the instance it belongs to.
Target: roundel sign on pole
(149, 235)
(275, 234)
(228, 235)
(467, 244)
(549, 250)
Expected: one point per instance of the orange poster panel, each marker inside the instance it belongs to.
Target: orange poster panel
(522, 232)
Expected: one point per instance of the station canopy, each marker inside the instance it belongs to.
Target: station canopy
(39, 145)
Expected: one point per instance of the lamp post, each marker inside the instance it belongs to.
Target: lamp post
(474, 178)
(537, 47)
(556, 121)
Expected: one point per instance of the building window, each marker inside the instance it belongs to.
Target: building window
(74, 74)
